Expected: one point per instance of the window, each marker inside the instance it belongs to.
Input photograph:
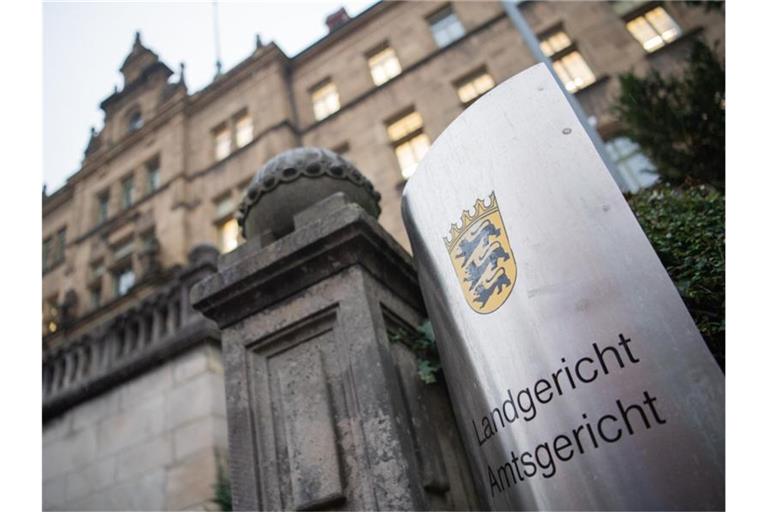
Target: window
(102, 212)
(97, 269)
(127, 192)
(124, 280)
(47, 248)
(635, 167)
(554, 43)
(446, 27)
(568, 63)
(153, 175)
(61, 241)
(123, 250)
(224, 206)
(243, 130)
(654, 29)
(573, 71)
(384, 66)
(53, 249)
(471, 88)
(135, 121)
(50, 316)
(95, 297)
(123, 277)
(325, 100)
(222, 142)
(409, 140)
(228, 232)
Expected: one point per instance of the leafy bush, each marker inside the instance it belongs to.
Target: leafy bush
(687, 228)
(423, 345)
(679, 121)
(222, 494)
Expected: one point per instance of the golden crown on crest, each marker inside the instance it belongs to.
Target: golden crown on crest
(466, 221)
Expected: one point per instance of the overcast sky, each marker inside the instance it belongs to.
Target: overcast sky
(84, 44)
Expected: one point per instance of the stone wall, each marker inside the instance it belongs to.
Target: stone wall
(150, 444)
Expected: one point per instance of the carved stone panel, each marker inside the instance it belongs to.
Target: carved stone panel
(296, 394)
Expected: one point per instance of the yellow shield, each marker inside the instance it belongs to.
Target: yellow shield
(480, 253)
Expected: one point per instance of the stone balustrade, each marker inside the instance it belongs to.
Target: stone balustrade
(131, 342)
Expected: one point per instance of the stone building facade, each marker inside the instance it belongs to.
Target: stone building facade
(121, 239)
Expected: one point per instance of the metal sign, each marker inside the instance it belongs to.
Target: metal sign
(578, 377)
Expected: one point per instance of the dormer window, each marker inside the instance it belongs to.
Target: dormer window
(135, 121)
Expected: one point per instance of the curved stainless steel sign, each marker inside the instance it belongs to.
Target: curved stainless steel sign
(579, 379)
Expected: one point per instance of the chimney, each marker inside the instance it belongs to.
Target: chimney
(337, 19)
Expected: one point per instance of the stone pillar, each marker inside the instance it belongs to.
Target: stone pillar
(323, 409)
(157, 320)
(170, 325)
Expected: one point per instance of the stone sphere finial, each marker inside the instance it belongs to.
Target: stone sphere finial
(295, 180)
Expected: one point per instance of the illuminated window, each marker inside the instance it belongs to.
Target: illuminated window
(637, 170)
(573, 71)
(222, 142)
(474, 87)
(384, 66)
(654, 29)
(50, 316)
(554, 43)
(102, 211)
(227, 230)
(243, 130)
(135, 121)
(229, 236)
(124, 279)
(409, 141)
(325, 100)
(446, 27)
(127, 192)
(568, 63)
(410, 153)
(153, 175)
(404, 126)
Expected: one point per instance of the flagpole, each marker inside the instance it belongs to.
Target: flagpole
(530, 39)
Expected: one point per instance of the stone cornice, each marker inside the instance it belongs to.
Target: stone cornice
(59, 198)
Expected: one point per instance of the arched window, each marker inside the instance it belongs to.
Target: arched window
(135, 121)
(638, 171)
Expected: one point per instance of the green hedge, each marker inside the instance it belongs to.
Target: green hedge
(687, 228)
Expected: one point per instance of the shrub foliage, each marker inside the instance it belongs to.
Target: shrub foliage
(679, 121)
(687, 228)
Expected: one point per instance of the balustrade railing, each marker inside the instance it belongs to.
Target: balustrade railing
(130, 335)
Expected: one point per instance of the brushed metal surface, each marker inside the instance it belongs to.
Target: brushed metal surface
(586, 273)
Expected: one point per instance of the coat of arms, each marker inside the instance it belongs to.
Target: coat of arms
(481, 256)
